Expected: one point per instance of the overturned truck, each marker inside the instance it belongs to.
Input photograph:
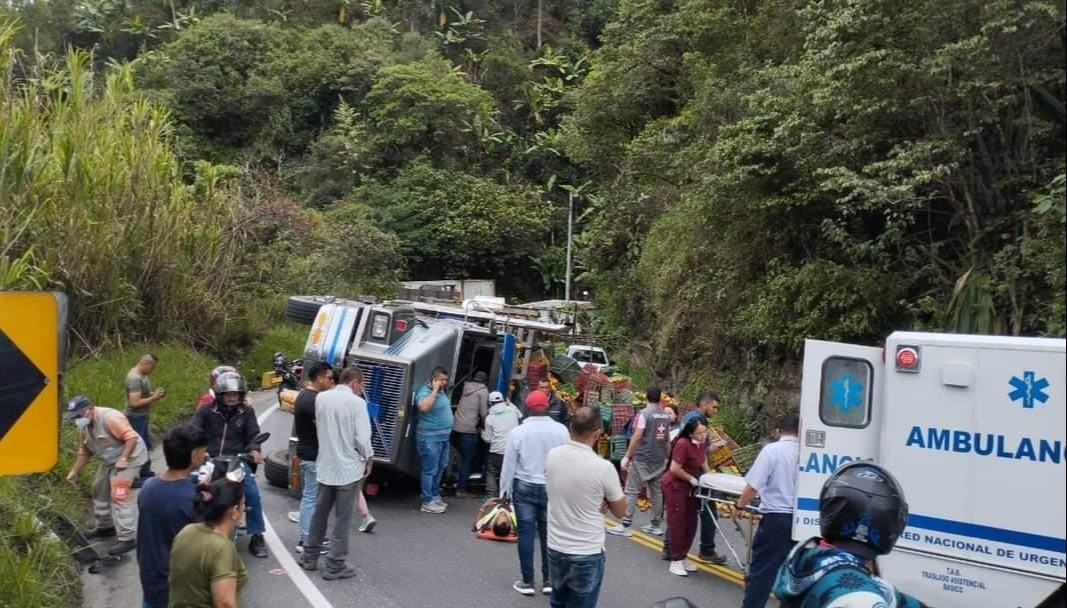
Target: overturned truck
(398, 343)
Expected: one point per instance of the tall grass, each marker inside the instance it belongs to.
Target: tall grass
(93, 203)
(35, 568)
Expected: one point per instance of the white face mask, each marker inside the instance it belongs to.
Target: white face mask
(81, 423)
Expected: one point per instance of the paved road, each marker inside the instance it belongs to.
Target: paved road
(415, 560)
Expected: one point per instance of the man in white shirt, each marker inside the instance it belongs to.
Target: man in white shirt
(523, 478)
(344, 461)
(773, 477)
(581, 487)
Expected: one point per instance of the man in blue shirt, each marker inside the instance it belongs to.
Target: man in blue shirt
(773, 477)
(166, 506)
(523, 478)
(432, 434)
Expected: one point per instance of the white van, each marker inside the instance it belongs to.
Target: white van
(974, 429)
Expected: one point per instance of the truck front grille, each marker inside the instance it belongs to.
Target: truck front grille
(384, 387)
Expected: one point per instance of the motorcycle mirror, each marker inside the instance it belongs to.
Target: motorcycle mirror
(260, 438)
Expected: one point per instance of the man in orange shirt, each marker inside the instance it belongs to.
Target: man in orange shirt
(107, 434)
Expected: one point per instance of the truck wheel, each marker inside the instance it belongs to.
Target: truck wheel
(276, 468)
(302, 309)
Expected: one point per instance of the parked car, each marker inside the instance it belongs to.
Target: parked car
(585, 353)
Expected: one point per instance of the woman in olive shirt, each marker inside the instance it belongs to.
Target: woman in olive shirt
(205, 571)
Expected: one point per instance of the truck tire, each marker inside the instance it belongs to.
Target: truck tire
(276, 468)
(302, 309)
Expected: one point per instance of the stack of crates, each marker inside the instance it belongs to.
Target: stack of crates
(621, 413)
(536, 372)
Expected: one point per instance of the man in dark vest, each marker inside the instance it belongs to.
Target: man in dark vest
(644, 463)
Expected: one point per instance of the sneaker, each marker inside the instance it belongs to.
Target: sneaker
(257, 547)
(92, 533)
(294, 516)
(712, 558)
(335, 575)
(546, 589)
(524, 588)
(122, 546)
(433, 507)
(368, 524)
(439, 501)
(678, 568)
(309, 564)
(689, 566)
(653, 530)
(621, 530)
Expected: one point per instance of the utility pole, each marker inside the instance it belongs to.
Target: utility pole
(570, 239)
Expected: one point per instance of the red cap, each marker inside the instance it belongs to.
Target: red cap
(537, 401)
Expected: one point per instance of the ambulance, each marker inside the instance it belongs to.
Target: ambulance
(974, 429)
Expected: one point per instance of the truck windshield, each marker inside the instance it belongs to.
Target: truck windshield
(590, 356)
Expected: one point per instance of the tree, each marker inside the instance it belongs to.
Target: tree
(453, 224)
(421, 108)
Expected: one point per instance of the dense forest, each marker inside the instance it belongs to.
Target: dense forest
(745, 173)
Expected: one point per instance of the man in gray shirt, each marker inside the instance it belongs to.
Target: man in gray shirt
(139, 399)
(644, 463)
(344, 461)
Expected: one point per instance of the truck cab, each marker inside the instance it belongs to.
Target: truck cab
(974, 428)
(398, 343)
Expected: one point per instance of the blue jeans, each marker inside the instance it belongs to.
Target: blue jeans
(310, 491)
(468, 448)
(531, 509)
(575, 579)
(140, 424)
(254, 516)
(433, 453)
(770, 547)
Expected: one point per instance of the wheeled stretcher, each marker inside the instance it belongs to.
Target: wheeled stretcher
(723, 488)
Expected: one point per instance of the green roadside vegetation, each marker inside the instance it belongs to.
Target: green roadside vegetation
(36, 569)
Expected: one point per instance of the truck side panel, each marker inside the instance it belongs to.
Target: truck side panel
(976, 436)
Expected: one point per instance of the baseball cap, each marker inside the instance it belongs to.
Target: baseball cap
(537, 401)
(76, 406)
(496, 397)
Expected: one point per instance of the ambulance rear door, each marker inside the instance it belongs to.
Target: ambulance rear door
(840, 413)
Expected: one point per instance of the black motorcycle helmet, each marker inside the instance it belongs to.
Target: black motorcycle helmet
(862, 509)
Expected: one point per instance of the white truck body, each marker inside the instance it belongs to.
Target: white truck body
(974, 429)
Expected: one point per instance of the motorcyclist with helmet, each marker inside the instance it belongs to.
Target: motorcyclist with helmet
(209, 397)
(231, 427)
(862, 512)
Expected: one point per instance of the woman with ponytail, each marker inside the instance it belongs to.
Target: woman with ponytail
(205, 570)
(688, 461)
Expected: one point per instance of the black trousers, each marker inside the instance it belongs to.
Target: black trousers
(774, 540)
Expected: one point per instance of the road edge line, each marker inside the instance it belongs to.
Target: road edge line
(292, 569)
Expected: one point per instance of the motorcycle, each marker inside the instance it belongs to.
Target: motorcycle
(227, 465)
(290, 372)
